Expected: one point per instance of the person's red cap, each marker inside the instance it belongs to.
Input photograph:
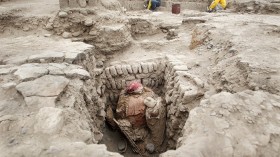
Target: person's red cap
(133, 86)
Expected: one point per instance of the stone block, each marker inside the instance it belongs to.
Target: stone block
(48, 56)
(62, 14)
(73, 4)
(35, 102)
(154, 76)
(66, 35)
(49, 120)
(63, 4)
(47, 85)
(124, 69)
(134, 68)
(155, 66)
(119, 69)
(111, 97)
(107, 72)
(82, 3)
(77, 73)
(156, 83)
(152, 83)
(146, 82)
(9, 85)
(160, 81)
(144, 67)
(140, 70)
(119, 84)
(123, 84)
(55, 70)
(140, 76)
(189, 96)
(103, 88)
(129, 69)
(130, 78)
(98, 71)
(91, 3)
(8, 70)
(113, 84)
(108, 85)
(161, 66)
(26, 73)
(88, 22)
(113, 71)
(150, 67)
(98, 90)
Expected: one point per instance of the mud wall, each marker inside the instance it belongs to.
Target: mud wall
(117, 76)
(183, 93)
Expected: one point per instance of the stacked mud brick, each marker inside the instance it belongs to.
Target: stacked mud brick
(149, 73)
(182, 91)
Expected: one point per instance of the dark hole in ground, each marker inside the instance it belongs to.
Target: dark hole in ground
(111, 138)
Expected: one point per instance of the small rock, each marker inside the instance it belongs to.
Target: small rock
(49, 26)
(66, 35)
(42, 61)
(88, 22)
(26, 28)
(102, 113)
(76, 34)
(62, 14)
(47, 35)
(150, 148)
(213, 114)
(93, 32)
(98, 136)
(84, 12)
(99, 64)
(164, 30)
(209, 46)
(122, 145)
(9, 85)
(82, 3)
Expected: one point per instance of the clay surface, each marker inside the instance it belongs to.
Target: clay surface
(63, 62)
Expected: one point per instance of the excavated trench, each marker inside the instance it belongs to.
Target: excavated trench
(169, 79)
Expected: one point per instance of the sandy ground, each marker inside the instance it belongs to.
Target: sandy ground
(230, 52)
(31, 7)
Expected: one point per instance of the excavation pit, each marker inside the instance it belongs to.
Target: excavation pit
(168, 78)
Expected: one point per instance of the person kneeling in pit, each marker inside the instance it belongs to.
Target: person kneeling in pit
(141, 117)
(152, 4)
(217, 5)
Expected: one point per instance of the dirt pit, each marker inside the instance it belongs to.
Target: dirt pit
(168, 78)
(218, 74)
